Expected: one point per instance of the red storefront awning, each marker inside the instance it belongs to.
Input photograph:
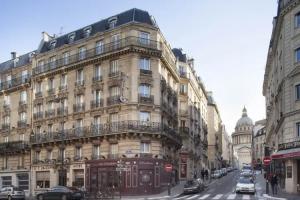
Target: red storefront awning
(288, 153)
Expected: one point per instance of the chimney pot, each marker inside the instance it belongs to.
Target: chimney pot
(13, 55)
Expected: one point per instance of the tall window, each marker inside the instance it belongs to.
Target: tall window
(23, 97)
(63, 81)
(97, 120)
(114, 91)
(50, 84)
(7, 100)
(297, 87)
(298, 129)
(49, 154)
(297, 20)
(82, 53)
(297, 55)
(8, 79)
(144, 90)
(50, 106)
(144, 63)
(182, 70)
(99, 47)
(144, 116)
(79, 123)
(114, 149)
(114, 118)
(52, 62)
(6, 120)
(79, 99)
(96, 150)
(97, 96)
(97, 72)
(66, 56)
(79, 78)
(183, 88)
(23, 116)
(78, 152)
(38, 87)
(144, 38)
(37, 155)
(145, 147)
(114, 67)
(24, 76)
(115, 40)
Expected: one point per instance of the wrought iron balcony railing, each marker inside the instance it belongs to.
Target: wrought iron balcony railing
(15, 82)
(79, 83)
(38, 94)
(51, 91)
(62, 111)
(108, 129)
(22, 123)
(107, 48)
(79, 107)
(96, 103)
(145, 72)
(113, 100)
(50, 113)
(38, 115)
(113, 74)
(146, 99)
(13, 147)
(5, 126)
(97, 78)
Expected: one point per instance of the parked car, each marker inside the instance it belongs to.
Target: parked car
(61, 193)
(11, 193)
(245, 185)
(224, 171)
(216, 174)
(193, 186)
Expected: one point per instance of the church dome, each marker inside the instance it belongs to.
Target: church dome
(244, 120)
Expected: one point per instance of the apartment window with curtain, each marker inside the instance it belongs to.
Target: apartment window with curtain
(66, 56)
(99, 47)
(82, 53)
(144, 64)
(114, 67)
(144, 90)
(145, 147)
(79, 77)
(144, 38)
(97, 97)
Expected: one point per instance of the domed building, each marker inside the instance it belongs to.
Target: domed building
(242, 140)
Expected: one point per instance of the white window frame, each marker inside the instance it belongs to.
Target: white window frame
(145, 147)
(66, 56)
(82, 53)
(144, 90)
(99, 47)
(144, 63)
(144, 38)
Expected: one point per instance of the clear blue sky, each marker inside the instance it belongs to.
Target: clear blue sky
(228, 39)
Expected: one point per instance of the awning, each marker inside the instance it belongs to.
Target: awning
(288, 153)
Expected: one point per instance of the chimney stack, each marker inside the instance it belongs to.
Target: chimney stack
(13, 55)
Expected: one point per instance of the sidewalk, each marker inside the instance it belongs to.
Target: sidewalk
(175, 191)
(281, 195)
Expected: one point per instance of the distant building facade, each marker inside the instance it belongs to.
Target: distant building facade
(258, 151)
(242, 140)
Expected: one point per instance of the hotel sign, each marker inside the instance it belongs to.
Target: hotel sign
(289, 145)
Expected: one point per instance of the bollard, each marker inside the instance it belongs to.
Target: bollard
(267, 187)
(169, 189)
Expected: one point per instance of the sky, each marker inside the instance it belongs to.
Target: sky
(228, 39)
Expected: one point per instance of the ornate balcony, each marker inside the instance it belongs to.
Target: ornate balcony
(5, 127)
(38, 115)
(79, 83)
(146, 99)
(62, 111)
(113, 100)
(14, 147)
(97, 78)
(79, 107)
(15, 82)
(50, 113)
(96, 104)
(114, 74)
(145, 72)
(108, 129)
(38, 95)
(22, 123)
(51, 91)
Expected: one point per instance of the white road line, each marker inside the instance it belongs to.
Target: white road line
(218, 196)
(180, 197)
(231, 196)
(246, 197)
(204, 196)
(164, 197)
(194, 196)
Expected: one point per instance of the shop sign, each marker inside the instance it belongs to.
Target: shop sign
(289, 145)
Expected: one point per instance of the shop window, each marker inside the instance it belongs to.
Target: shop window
(23, 181)
(6, 181)
(43, 179)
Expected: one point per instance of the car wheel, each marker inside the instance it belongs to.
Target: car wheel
(9, 198)
(40, 197)
(64, 197)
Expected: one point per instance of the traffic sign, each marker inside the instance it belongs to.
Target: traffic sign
(168, 167)
(267, 160)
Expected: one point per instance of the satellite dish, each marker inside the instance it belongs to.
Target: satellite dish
(123, 99)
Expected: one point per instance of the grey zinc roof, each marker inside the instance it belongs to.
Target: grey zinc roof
(132, 15)
(20, 61)
(179, 55)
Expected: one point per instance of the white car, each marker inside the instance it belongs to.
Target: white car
(11, 192)
(245, 185)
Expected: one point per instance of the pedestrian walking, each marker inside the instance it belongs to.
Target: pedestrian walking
(206, 174)
(202, 174)
(274, 183)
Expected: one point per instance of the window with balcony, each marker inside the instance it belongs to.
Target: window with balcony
(23, 97)
(115, 41)
(144, 90)
(41, 63)
(114, 91)
(182, 71)
(97, 76)
(114, 68)
(78, 152)
(96, 103)
(96, 125)
(144, 38)
(145, 147)
(79, 77)
(50, 86)
(37, 155)
(24, 76)
(50, 109)
(298, 129)
(52, 62)
(297, 87)
(66, 56)
(61, 154)
(82, 53)
(7, 100)
(297, 20)
(23, 117)
(96, 151)
(8, 80)
(114, 119)
(63, 81)
(6, 121)
(79, 106)
(38, 89)
(99, 47)
(144, 116)
(144, 64)
(183, 89)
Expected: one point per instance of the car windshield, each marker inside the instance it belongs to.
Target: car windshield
(17, 189)
(190, 182)
(245, 181)
(60, 188)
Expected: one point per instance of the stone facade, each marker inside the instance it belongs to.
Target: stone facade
(258, 151)
(281, 91)
(226, 148)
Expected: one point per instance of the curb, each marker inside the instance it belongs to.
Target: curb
(270, 197)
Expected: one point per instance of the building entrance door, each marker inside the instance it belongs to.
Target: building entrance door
(146, 181)
(62, 177)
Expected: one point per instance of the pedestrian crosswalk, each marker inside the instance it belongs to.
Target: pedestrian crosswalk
(217, 197)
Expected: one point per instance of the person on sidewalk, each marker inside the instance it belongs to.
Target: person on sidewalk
(274, 184)
(202, 174)
(206, 174)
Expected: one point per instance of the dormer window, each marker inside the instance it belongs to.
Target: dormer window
(87, 31)
(112, 22)
(71, 37)
(52, 44)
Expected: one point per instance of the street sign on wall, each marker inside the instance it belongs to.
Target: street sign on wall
(168, 167)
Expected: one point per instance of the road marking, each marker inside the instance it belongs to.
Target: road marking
(246, 197)
(267, 196)
(218, 196)
(232, 196)
(194, 196)
(164, 197)
(204, 196)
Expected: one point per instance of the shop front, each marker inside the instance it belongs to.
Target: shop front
(135, 176)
